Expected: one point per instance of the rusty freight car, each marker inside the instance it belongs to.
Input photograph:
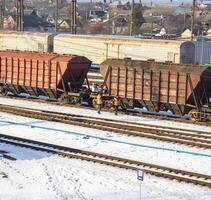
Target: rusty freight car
(42, 74)
(181, 88)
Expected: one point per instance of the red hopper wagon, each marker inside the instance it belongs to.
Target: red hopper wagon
(42, 74)
(181, 88)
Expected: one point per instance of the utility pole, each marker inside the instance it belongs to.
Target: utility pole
(193, 18)
(56, 15)
(2, 10)
(113, 26)
(73, 17)
(20, 15)
(131, 18)
(108, 23)
(140, 2)
(17, 8)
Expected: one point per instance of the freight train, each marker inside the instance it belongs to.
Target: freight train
(180, 88)
(42, 74)
(99, 48)
(158, 86)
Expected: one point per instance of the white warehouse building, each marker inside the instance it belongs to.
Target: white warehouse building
(98, 48)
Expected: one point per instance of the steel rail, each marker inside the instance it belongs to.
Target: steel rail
(137, 114)
(152, 169)
(202, 140)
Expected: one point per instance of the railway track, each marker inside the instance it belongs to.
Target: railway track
(152, 169)
(193, 138)
(4, 154)
(131, 113)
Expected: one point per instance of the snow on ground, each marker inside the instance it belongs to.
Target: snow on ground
(93, 113)
(105, 142)
(44, 176)
(49, 177)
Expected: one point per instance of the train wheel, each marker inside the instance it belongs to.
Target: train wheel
(3, 91)
(196, 115)
(162, 107)
(108, 104)
(123, 107)
(75, 100)
(65, 99)
(71, 100)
